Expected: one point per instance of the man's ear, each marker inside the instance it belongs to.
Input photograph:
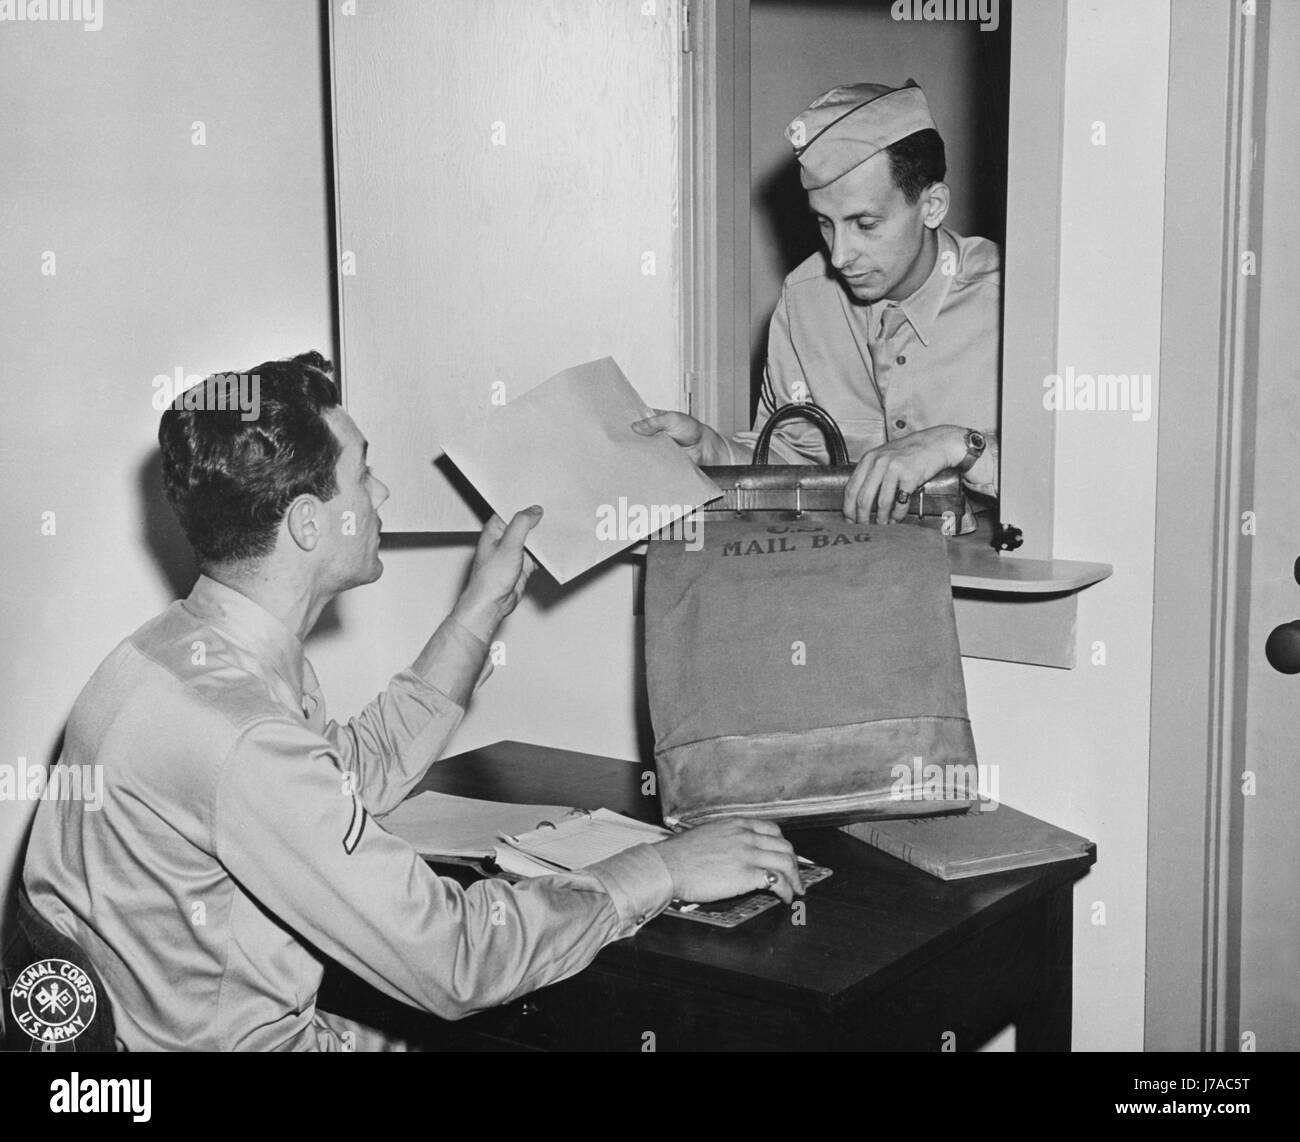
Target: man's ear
(303, 521)
(935, 200)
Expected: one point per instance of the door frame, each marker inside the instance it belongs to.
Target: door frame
(715, 194)
(1209, 348)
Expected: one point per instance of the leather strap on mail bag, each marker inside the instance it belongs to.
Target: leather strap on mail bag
(806, 672)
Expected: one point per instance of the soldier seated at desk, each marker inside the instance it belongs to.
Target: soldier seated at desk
(235, 846)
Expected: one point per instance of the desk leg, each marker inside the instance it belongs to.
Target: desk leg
(1044, 1023)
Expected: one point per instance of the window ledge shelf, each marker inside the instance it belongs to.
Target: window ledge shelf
(983, 569)
(1018, 610)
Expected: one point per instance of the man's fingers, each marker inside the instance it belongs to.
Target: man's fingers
(898, 512)
(488, 538)
(853, 487)
(781, 887)
(769, 844)
(776, 851)
(525, 573)
(652, 424)
(520, 525)
(854, 492)
(788, 870)
(680, 427)
(496, 533)
(759, 825)
(867, 495)
(889, 488)
(774, 854)
(787, 878)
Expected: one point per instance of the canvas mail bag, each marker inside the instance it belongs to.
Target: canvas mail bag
(805, 672)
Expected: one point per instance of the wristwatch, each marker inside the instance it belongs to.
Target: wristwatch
(975, 445)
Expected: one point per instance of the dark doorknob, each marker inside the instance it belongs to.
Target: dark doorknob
(1283, 648)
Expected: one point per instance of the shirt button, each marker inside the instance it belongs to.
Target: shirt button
(900, 424)
(900, 360)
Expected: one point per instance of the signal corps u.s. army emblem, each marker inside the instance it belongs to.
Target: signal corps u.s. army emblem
(53, 1001)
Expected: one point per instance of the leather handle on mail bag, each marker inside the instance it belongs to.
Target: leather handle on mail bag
(839, 454)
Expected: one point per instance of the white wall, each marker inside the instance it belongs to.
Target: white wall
(1073, 745)
(530, 223)
(572, 673)
(167, 254)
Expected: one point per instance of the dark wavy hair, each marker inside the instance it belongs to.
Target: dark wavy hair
(231, 477)
(917, 161)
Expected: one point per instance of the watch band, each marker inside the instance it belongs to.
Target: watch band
(975, 445)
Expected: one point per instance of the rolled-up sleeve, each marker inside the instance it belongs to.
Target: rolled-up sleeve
(299, 839)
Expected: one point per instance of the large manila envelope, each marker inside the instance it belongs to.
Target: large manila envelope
(568, 445)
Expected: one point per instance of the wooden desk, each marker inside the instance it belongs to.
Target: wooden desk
(888, 958)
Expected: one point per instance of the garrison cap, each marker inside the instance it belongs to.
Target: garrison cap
(847, 125)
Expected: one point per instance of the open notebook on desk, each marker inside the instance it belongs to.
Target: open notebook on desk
(577, 840)
(440, 825)
(540, 840)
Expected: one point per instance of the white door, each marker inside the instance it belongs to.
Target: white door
(508, 196)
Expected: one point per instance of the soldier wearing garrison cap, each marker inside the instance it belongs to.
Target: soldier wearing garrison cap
(893, 327)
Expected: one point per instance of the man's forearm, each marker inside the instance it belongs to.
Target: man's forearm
(453, 658)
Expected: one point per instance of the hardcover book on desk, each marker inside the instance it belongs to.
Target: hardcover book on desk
(977, 843)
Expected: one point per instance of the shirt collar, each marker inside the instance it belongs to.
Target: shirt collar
(922, 307)
(251, 626)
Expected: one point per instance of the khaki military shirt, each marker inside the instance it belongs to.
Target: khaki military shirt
(238, 842)
(889, 368)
